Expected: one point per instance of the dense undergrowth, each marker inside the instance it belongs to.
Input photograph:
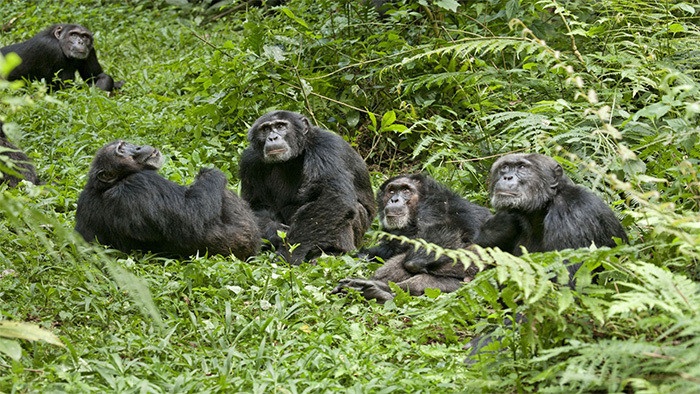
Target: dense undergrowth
(610, 88)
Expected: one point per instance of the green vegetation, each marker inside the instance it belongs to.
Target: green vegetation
(610, 88)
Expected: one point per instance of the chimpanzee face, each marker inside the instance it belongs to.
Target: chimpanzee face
(279, 136)
(399, 203)
(525, 182)
(76, 41)
(119, 159)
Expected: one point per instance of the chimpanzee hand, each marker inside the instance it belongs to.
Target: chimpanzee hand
(370, 289)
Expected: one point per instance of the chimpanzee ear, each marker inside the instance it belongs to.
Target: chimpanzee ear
(306, 124)
(57, 32)
(106, 176)
(557, 173)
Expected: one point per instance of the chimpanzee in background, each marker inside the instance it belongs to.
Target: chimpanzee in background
(16, 161)
(62, 49)
(415, 206)
(126, 204)
(307, 182)
(540, 208)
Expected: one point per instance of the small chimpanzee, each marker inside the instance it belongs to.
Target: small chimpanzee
(540, 208)
(14, 163)
(307, 182)
(60, 51)
(415, 206)
(126, 204)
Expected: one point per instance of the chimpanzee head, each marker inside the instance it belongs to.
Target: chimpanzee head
(398, 200)
(279, 136)
(524, 182)
(119, 159)
(75, 40)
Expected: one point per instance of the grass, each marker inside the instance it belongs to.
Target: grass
(194, 85)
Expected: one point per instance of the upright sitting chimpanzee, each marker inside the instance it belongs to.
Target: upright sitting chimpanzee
(540, 208)
(307, 182)
(415, 206)
(62, 49)
(15, 163)
(126, 204)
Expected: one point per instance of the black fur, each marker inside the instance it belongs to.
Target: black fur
(317, 189)
(541, 209)
(15, 161)
(60, 51)
(420, 208)
(126, 204)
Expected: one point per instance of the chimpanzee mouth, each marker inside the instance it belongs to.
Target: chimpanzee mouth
(154, 160)
(507, 193)
(275, 152)
(395, 215)
(79, 54)
(154, 155)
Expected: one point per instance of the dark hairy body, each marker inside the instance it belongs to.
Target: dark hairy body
(541, 209)
(127, 205)
(417, 207)
(307, 182)
(58, 52)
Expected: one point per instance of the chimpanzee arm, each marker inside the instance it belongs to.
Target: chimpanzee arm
(386, 249)
(91, 72)
(325, 221)
(204, 197)
(503, 230)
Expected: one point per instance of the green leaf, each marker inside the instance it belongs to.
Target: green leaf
(292, 16)
(448, 4)
(373, 119)
(12, 60)
(685, 7)
(655, 110)
(11, 348)
(676, 28)
(30, 332)
(512, 8)
(388, 119)
(432, 293)
(353, 118)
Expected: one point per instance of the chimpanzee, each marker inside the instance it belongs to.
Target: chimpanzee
(540, 208)
(127, 205)
(416, 206)
(307, 182)
(60, 51)
(16, 161)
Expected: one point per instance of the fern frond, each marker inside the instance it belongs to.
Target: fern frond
(657, 289)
